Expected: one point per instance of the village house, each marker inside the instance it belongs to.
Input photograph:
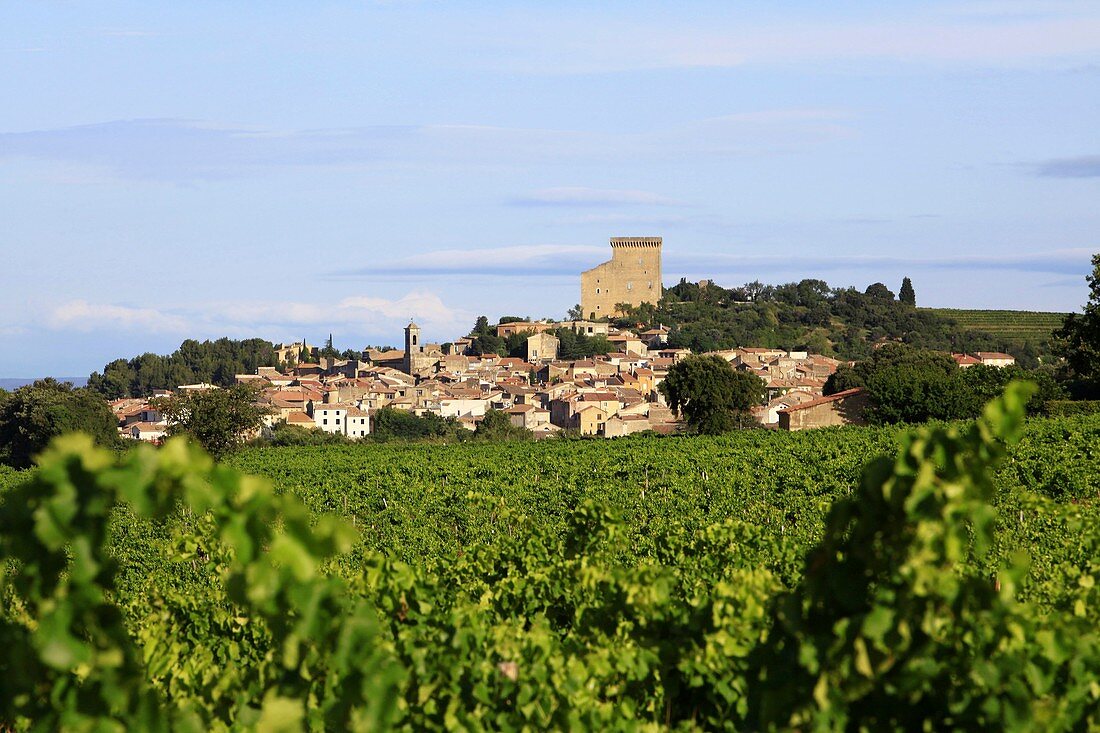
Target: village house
(542, 347)
(843, 408)
(994, 358)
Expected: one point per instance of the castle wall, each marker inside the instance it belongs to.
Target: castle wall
(632, 275)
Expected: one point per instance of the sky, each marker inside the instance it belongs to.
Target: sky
(292, 170)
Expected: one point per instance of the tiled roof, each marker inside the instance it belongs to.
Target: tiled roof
(823, 400)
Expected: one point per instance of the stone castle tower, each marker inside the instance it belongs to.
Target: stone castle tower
(632, 275)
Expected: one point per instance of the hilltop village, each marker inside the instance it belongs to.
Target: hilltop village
(609, 395)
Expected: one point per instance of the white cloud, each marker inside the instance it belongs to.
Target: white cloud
(81, 315)
(356, 314)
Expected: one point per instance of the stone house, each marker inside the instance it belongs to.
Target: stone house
(542, 347)
(843, 408)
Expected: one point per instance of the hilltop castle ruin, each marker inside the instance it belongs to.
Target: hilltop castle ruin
(632, 275)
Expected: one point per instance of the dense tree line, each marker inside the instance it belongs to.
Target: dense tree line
(215, 362)
(33, 415)
(910, 385)
(840, 322)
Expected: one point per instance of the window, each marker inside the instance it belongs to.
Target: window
(597, 291)
(325, 421)
(630, 286)
(337, 421)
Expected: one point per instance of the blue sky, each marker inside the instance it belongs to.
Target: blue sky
(285, 170)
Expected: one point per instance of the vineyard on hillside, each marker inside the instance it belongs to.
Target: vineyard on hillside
(759, 580)
(1016, 327)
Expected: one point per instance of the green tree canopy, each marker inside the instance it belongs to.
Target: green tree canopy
(907, 295)
(1079, 340)
(710, 394)
(393, 424)
(878, 290)
(215, 362)
(912, 385)
(32, 415)
(497, 426)
(219, 420)
(573, 345)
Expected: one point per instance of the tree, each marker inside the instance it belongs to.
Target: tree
(516, 344)
(481, 326)
(217, 362)
(391, 423)
(907, 295)
(878, 290)
(32, 415)
(575, 313)
(219, 420)
(496, 425)
(328, 350)
(710, 394)
(1079, 340)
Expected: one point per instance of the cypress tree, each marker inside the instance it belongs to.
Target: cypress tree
(907, 295)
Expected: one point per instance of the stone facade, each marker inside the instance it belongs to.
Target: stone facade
(632, 275)
(842, 408)
(542, 347)
(418, 360)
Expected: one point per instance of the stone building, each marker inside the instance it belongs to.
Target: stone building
(419, 360)
(843, 408)
(632, 275)
(542, 347)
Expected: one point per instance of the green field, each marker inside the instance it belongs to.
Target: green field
(1013, 326)
(758, 580)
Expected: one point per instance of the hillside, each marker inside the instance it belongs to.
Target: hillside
(812, 315)
(1018, 327)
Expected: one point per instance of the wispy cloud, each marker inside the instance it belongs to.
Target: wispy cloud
(177, 150)
(81, 315)
(169, 149)
(540, 259)
(570, 260)
(1084, 166)
(361, 313)
(580, 196)
(1063, 262)
(991, 34)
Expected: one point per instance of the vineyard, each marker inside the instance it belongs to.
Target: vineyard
(1016, 327)
(755, 581)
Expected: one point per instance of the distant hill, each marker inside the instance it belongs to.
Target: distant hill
(14, 383)
(1018, 327)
